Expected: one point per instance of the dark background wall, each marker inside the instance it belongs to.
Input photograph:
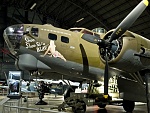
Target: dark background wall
(10, 16)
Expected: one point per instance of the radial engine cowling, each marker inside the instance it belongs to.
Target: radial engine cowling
(121, 52)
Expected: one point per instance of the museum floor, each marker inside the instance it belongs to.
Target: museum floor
(54, 101)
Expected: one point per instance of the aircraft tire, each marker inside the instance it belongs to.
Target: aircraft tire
(128, 105)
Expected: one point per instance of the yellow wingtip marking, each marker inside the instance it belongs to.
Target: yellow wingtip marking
(146, 2)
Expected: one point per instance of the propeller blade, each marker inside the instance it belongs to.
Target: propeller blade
(129, 20)
(106, 75)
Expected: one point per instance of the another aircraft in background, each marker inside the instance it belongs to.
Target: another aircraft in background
(24, 88)
(79, 54)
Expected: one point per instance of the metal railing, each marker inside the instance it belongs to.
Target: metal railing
(16, 106)
(33, 109)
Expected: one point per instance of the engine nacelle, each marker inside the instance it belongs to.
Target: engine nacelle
(121, 55)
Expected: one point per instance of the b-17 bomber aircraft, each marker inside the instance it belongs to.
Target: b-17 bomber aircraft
(80, 54)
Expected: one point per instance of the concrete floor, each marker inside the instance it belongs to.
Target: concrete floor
(55, 101)
(142, 108)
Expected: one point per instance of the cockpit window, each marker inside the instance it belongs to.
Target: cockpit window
(35, 31)
(99, 30)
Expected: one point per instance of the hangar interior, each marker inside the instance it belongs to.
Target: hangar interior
(65, 14)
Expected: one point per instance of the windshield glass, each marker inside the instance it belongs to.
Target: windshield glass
(13, 35)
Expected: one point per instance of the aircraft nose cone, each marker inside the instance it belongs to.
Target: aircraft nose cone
(12, 36)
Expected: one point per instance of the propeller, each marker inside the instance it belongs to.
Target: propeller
(129, 20)
(122, 27)
(107, 45)
(106, 76)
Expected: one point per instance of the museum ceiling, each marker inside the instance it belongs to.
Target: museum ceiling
(88, 13)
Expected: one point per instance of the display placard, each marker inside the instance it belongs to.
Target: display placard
(14, 83)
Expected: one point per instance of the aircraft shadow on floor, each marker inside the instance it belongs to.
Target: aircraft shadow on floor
(101, 111)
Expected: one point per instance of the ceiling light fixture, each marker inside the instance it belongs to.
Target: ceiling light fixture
(33, 6)
(79, 20)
